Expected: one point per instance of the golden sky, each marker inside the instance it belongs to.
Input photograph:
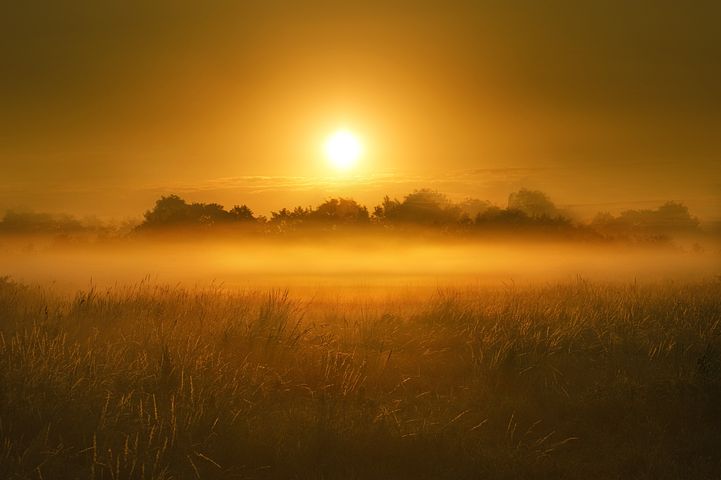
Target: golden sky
(602, 104)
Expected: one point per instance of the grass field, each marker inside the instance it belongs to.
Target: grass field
(569, 380)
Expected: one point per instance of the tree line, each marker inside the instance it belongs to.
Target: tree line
(526, 210)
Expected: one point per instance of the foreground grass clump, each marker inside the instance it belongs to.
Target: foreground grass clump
(576, 380)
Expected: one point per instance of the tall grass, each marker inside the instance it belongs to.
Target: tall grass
(573, 380)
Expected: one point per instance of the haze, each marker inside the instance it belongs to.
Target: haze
(606, 105)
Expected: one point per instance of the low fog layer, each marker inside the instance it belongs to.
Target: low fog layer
(352, 262)
(424, 239)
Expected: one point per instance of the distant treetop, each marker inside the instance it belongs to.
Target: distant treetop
(173, 211)
(527, 210)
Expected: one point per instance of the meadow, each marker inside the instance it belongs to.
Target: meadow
(568, 379)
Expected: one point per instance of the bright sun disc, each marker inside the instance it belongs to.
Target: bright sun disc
(343, 149)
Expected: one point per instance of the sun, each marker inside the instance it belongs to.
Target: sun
(343, 149)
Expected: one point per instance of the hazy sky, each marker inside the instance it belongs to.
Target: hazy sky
(602, 104)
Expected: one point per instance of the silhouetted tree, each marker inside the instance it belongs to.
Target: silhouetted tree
(340, 210)
(242, 213)
(472, 207)
(335, 211)
(422, 207)
(170, 210)
(671, 217)
(516, 220)
(285, 218)
(387, 209)
(209, 214)
(533, 203)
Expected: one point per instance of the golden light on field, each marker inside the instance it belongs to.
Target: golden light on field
(343, 149)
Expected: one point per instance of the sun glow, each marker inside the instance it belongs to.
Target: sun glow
(343, 149)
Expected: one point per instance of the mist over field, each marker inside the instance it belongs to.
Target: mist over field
(356, 262)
